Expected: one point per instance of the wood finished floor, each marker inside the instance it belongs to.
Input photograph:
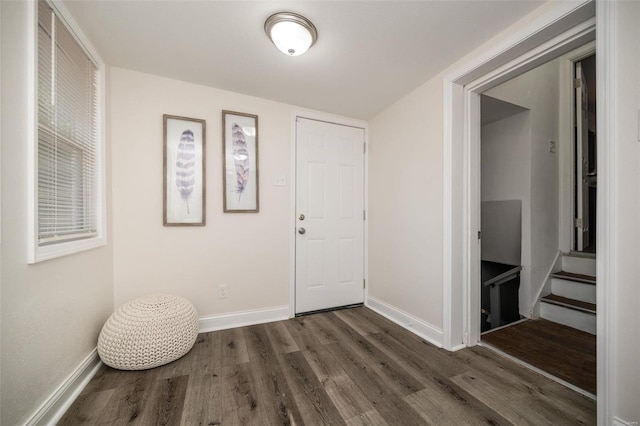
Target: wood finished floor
(349, 367)
(562, 351)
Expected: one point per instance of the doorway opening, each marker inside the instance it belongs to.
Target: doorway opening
(538, 299)
(585, 158)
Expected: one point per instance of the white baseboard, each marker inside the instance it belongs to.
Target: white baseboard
(52, 410)
(242, 318)
(458, 348)
(619, 422)
(415, 325)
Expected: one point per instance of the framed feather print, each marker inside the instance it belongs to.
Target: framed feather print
(240, 162)
(184, 171)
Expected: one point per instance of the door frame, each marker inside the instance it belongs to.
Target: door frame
(566, 145)
(333, 119)
(557, 30)
(533, 46)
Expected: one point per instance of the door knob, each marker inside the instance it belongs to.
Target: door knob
(301, 231)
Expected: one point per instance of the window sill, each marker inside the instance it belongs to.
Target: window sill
(40, 254)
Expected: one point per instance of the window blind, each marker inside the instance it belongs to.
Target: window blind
(67, 149)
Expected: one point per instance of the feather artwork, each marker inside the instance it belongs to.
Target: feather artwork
(186, 166)
(240, 158)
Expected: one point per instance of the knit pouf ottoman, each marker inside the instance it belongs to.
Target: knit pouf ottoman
(148, 332)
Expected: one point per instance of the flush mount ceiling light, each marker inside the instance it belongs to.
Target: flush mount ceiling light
(293, 34)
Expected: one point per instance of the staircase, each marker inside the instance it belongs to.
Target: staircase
(572, 301)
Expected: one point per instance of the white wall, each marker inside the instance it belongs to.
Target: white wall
(249, 252)
(52, 311)
(405, 204)
(506, 175)
(538, 91)
(627, 193)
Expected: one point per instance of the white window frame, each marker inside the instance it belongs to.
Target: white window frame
(35, 252)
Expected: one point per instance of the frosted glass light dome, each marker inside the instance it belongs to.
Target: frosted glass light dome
(292, 34)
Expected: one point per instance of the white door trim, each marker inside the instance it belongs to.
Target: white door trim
(564, 27)
(606, 71)
(566, 150)
(329, 118)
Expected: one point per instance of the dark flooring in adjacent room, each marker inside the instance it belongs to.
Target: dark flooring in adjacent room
(562, 351)
(349, 367)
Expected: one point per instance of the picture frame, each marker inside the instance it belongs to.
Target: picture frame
(240, 173)
(184, 171)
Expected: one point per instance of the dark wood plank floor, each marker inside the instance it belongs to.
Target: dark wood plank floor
(349, 367)
(562, 351)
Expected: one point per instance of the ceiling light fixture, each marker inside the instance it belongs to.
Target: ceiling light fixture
(292, 34)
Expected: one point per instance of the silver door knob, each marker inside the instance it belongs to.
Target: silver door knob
(301, 231)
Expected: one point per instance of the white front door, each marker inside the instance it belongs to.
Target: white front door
(329, 215)
(582, 161)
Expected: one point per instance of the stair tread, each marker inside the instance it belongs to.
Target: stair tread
(587, 279)
(581, 254)
(570, 303)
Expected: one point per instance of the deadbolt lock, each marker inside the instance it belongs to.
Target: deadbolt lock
(301, 217)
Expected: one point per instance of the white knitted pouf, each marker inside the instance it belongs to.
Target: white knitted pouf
(148, 332)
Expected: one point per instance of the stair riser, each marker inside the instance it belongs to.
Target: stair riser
(579, 265)
(573, 290)
(569, 317)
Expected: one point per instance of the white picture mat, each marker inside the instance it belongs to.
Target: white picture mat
(176, 206)
(248, 199)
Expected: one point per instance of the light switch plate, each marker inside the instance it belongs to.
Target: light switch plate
(280, 181)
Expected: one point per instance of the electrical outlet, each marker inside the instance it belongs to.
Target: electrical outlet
(280, 181)
(222, 291)
(552, 147)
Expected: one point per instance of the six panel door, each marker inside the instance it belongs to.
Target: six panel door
(329, 215)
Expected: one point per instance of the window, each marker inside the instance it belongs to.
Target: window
(67, 212)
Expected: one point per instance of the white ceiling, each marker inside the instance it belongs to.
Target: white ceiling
(368, 54)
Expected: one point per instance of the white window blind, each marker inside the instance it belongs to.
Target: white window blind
(67, 142)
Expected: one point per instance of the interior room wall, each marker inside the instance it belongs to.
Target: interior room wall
(538, 91)
(248, 252)
(405, 204)
(52, 311)
(506, 175)
(626, 248)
